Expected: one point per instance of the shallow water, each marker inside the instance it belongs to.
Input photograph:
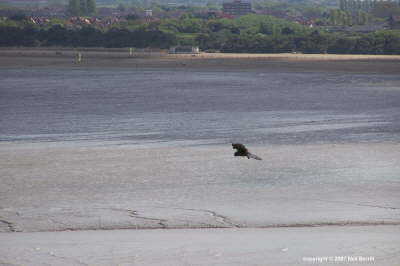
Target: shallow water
(122, 106)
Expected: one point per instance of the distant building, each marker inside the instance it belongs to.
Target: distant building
(359, 28)
(26, 2)
(184, 50)
(364, 5)
(237, 8)
(148, 13)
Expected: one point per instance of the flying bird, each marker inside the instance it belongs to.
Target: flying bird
(243, 151)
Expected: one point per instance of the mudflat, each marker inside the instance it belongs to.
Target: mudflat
(121, 58)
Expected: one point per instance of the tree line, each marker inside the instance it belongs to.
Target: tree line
(246, 34)
(58, 35)
(81, 7)
(347, 18)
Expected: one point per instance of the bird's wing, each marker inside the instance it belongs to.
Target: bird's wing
(239, 147)
(254, 156)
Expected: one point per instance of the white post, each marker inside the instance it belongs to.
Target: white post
(79, 57)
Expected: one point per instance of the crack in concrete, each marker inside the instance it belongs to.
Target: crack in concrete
(134, 213)
(57, 222)
(378, 206)
(206, 225)
(358, 204)
(161, 222)
(7, 263)
(339, 223)
(218, 217)
(266, 226)
(221, 221)
(10, 225)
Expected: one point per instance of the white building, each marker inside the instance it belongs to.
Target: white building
(148, 13)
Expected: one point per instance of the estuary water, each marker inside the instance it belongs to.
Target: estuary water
(162, 107)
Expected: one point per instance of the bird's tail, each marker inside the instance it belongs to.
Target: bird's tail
(253, 156)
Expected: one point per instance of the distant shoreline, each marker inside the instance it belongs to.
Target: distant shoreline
(120, 58)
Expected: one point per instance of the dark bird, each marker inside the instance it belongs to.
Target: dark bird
(243, 151)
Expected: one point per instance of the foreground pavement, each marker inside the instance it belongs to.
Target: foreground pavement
(325, 245)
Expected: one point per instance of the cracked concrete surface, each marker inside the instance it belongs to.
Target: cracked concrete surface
(225, 221)
(160, 222)
(9, 226)
(117, 187)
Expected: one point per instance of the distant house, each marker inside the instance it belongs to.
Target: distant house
(394, 22)
(148, 13)
(367, 28)
(105, 11)
(359, 28)
(237, 8)
(184, 50)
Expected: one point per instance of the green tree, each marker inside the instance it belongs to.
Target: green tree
(349, 19)
(91, 7)
(83, 7)
(385, 9)
(333, 17)
(74, 8)
(56, 3)
(57, 35)
(366, 17)
(342, 45)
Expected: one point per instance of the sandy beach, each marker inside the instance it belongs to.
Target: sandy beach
(127, 160)
(120, 58)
